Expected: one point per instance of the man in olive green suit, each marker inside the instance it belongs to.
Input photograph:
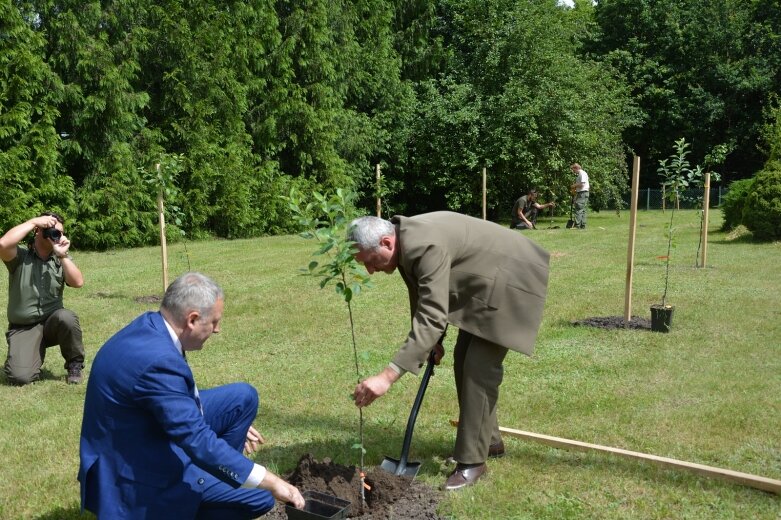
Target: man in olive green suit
(488, 281)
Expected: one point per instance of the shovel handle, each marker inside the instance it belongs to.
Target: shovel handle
(413, 415)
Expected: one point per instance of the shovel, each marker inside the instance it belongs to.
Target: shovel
(571, 222)
(402, 466)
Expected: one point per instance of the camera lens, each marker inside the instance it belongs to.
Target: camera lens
(52, 233)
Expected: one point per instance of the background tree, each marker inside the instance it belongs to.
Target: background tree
(29, 97)
(514, 97)
(700, 69)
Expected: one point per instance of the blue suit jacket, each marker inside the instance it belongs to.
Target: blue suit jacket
(144, 443)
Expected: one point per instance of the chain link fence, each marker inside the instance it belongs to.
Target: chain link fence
(649, 198)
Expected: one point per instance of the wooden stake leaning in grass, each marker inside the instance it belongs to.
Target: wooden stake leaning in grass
(630, 254)
(747, 479)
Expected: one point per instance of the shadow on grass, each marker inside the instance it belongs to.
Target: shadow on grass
(66, 513)
(45, 375)
(545, 456)
(380, 441)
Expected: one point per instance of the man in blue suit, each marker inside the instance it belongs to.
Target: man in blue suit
(152, 445)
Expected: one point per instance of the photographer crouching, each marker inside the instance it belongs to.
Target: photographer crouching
(37, 276)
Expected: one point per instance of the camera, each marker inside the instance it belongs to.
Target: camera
(53, 233)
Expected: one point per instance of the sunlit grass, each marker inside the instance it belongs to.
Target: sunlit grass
(707, 392)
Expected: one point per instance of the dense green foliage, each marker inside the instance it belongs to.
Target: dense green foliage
(261, 96)
(704, 70)
(29, 95)
(513, 96)
(762, 212)
(733, 203)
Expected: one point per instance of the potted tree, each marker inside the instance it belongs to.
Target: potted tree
(676, 174)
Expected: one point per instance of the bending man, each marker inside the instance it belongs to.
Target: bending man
(478, 276)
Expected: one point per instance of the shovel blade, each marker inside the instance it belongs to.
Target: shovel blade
(399, 468)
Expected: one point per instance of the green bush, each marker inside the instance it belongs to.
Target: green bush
(762, 212)
(733, 203)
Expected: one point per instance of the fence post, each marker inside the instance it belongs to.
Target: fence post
(648, 199)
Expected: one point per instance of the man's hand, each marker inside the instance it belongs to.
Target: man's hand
(61, 247)
(439, 353)
(282, 491)
(43, 222)
(253, 441)
(373, 387)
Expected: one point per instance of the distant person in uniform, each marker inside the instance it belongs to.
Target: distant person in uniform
(525, 211)
(579, 190)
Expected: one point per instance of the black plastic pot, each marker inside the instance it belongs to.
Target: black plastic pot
(318, 506)
(661, 318)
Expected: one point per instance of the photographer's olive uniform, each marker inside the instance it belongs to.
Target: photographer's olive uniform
(36, 317)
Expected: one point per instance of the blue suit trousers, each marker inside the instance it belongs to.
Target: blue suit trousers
(229, 410)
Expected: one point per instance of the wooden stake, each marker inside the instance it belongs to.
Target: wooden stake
(705, 208)
(664, 199)
(164, 250)
(755, 481)
(484, 193)
(630, 253)
(379, 200)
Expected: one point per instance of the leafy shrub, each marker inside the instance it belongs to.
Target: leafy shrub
(115, 211)
(733, 203)
(762, 212)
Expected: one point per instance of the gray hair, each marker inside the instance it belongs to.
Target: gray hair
(191, 291)
(366, 232)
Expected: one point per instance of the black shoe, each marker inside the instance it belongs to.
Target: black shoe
(74, 373)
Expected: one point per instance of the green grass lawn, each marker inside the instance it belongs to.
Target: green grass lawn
(707, 392)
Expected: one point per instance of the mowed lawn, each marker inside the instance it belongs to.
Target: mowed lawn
(708, 392)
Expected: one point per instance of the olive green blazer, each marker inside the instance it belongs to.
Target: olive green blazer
(481, 277)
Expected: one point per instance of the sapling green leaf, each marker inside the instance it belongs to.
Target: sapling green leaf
(677, 175)
(359, 446)
(325, 219)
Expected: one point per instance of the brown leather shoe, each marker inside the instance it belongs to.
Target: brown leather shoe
(495, 451)
(464, 475)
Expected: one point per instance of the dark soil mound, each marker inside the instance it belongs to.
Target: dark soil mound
(390, 497)
(615, 322)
